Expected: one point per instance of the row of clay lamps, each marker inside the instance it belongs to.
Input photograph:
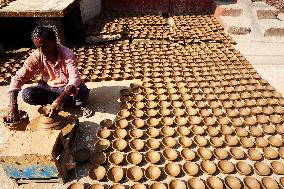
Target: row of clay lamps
(104, 26)
(142, 46)
(150, 129)
(197, 183)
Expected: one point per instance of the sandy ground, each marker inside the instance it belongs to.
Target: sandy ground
(104, 100)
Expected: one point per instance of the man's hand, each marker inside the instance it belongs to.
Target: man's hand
(13, 115)
(54, 108)
(57, 105)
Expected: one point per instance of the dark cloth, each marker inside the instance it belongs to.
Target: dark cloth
(43, 94)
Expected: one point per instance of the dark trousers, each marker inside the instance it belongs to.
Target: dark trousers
(43, 94)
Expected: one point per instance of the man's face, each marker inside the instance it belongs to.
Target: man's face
(45, 46)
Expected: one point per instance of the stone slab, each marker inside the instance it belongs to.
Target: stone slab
(272, 27)
(265, 11)
(37, 8)
(236, 25)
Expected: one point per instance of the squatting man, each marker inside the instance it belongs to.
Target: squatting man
(61, 84)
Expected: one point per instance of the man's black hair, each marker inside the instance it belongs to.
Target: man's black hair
(43, 32)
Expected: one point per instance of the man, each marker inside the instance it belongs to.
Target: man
(57, 65)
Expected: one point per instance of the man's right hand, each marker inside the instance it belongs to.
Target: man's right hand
(13, 115)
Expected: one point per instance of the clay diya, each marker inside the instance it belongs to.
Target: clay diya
(190, 168)
(97, 173)
(196, 183)
(153, 132)
(214, 182)
(134, 173)
(158, 185)
(170, 154)
(237, 153)
(134, 158)
(208, 167)
(152, 157)
(243, 168)
(268, 182)
(136, 133)
(115, 174)
(102, 145)
(251, 183)
(177, 184)
(119, 144)
(220, 153)
(172, 169)
(104, 133)
(136, 144)
(204, 153)
(183, 130)
(116, 158)
(233, 182)
(153, 143)
(152, 172)
(168, 131)
(120, 133)
(188, 154)
(277, 167)
(185, 141)
(138, 186)
(262, 169)
(226, 167)
(76, 185)
(169, 142)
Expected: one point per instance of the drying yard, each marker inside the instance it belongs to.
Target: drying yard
(183, 99)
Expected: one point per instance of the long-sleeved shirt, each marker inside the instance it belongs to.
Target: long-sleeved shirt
(63, 72)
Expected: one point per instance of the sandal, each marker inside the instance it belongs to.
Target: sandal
(87, 111)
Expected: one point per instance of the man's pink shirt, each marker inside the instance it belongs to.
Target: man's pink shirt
(63, 73)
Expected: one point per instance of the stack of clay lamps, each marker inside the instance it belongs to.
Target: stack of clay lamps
(174, 117)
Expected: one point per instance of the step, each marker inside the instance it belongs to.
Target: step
(265, 11)
(272, 27)
(236, 25)
(228, 9)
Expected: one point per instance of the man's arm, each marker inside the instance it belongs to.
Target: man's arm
(13, 115)
(18, 80)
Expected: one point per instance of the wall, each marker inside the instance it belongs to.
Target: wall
(89, 9)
